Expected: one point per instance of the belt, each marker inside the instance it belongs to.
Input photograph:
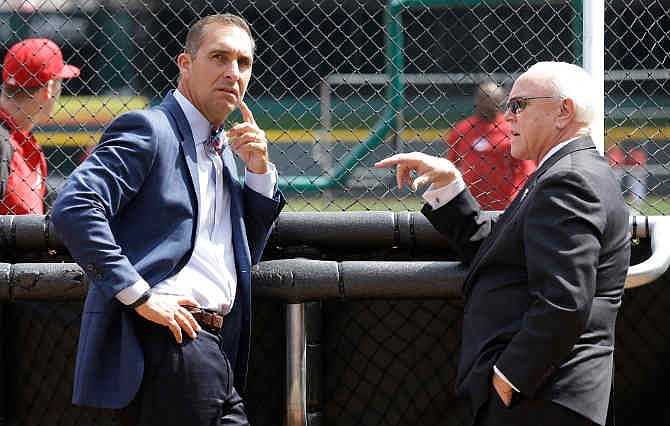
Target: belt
(209, 320)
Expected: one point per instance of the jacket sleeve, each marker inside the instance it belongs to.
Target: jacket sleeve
(260, 213)
(463, 222)
(563, 227)
(96, 191)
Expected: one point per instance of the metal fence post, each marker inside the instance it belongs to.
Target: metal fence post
(296, 349)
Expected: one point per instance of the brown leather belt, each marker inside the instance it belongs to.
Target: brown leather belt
(209, 320)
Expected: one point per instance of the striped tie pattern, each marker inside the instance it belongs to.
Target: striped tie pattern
(215, 143)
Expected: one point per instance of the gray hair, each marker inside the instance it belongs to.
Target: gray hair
(568, 81)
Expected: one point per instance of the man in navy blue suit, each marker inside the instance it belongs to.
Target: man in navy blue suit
(167, 235)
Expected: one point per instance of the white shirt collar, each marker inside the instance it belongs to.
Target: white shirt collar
(197, 121)
(555, 149)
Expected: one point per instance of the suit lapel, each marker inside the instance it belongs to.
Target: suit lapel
(498, 229)
(578, 144)
(236, 209)
(171, 106)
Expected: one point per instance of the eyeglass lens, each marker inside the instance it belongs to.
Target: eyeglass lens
(516, 105)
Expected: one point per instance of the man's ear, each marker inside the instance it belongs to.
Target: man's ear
(567, 113)
(184, 62)
(44, 94)
(51, 88)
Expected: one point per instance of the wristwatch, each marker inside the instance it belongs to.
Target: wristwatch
(140, 300)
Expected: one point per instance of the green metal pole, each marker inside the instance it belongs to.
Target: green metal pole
(387, 122)
(390, 119)
(117, 72)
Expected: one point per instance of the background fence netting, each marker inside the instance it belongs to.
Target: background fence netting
(326, 82)
(337, 86)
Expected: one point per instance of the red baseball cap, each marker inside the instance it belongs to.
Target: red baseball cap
(33, 62)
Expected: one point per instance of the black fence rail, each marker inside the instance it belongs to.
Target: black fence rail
(381, 335)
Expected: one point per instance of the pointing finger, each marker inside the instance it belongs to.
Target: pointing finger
(390, 161)
(246, 113)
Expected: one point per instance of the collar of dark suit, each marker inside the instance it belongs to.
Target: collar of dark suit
(578, 144)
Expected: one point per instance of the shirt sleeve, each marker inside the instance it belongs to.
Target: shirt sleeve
(265, 184)
(133, 292)
(438, 197)
(502, 376)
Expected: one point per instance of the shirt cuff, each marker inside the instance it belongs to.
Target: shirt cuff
(438, 197)
(265, 183)
(131, 293)
(502, 376)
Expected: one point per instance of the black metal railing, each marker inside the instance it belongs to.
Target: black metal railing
(366, 342)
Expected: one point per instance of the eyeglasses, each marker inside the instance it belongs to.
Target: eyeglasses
(517, 105)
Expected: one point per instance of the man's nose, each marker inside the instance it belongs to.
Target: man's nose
(508, 115)
(232, 71)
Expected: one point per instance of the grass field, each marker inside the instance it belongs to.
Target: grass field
(654, 206)
(296, 204)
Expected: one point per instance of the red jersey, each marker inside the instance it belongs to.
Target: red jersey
(481, 151)
(637, 158)
(617, 158)
(26, 183)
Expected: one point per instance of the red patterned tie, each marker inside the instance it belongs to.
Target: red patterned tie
(215, 141)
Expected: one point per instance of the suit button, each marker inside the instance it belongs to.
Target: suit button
(98, 276)
(90, 267)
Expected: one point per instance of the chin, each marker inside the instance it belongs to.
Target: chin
(516, 154)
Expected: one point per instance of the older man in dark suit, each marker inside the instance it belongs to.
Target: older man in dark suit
(547, 275)
(167, 234)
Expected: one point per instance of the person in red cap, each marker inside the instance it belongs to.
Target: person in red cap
(32, 73)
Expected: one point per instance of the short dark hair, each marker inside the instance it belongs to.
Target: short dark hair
(197, 31)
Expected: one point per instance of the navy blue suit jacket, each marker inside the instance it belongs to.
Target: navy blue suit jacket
(130, 211)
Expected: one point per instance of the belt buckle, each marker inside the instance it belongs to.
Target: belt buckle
(211, 321)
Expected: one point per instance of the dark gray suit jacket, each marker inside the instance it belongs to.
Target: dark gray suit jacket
(545, 283)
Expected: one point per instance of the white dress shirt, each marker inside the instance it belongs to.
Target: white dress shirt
(438, 197)
(209, 276)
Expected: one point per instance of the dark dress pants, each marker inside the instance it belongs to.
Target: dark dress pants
(527, 412)
(187, 385)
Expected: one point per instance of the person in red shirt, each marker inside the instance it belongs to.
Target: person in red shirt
(480, 147)
(32, 74)
(629, 165)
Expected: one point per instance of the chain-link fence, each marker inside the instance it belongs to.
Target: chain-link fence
(337, 86)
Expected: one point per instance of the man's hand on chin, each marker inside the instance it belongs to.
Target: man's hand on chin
(248, 141)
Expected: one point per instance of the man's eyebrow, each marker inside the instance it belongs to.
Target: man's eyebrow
(224, 51)
(220, 51)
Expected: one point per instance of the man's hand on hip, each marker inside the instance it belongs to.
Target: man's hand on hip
(429, 169)
(169, 311)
